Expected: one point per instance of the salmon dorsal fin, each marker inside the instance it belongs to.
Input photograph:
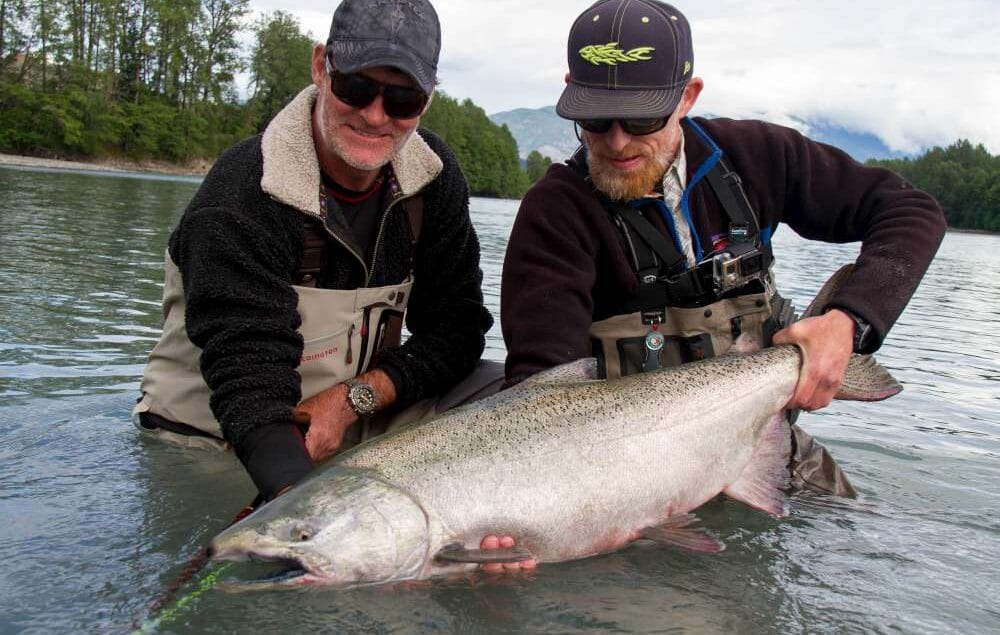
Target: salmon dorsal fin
(581, 370)
(678, 532)
(766, 475)
(458, 553)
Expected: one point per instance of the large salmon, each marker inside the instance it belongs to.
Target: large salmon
(569, 465)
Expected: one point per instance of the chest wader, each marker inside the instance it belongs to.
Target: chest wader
(342, 331)
(682, 315)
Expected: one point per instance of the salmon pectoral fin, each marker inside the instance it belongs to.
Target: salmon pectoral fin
(678, 532)
(458, 553)
(765, 477)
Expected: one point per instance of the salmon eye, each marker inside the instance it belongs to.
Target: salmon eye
(301, 532)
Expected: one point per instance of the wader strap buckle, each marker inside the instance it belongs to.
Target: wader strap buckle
(653, 317)
(651, 353)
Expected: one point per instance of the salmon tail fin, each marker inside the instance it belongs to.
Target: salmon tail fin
(678, 532)
(765, 477)
(867, 380)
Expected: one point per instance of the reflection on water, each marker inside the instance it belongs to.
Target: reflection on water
(97, 521)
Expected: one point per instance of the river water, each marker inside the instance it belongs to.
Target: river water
(95, 521)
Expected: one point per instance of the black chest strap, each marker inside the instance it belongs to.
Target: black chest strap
(664, 255)
(664, 279)
(728, 188)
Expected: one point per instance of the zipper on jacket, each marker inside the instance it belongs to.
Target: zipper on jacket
(323, 216)
(368, 271)
(378, 237)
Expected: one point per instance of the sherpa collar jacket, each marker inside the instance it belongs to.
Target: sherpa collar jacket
(238, 247)
(566, 263)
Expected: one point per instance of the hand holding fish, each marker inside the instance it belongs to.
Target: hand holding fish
(329, 417)
(330, 414)
(491, 543)
(826, 342)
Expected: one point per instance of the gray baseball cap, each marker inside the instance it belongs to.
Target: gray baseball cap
(404, 34)
(627, 59)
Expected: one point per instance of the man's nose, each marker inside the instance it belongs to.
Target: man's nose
(374, 113)
(616, 138)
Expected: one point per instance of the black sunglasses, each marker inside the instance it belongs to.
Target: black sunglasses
(635, 127)
(399, 102)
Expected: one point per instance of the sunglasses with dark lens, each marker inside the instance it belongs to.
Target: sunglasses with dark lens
(399, 102)
(635, 127)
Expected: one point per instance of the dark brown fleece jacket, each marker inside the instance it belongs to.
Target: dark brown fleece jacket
(566, 265)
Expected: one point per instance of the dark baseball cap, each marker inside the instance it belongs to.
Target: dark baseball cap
(627, 59)
(404, 34)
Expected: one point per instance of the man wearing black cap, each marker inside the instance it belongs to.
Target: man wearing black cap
(651, 247)
(292, 268)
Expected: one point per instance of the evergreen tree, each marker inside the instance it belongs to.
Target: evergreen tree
(154, 79)
(964, 178)
(537, 166)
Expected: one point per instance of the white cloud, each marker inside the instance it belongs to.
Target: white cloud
(913, 74)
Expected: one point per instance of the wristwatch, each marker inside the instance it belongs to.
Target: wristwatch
(361, 397)
(862, 330)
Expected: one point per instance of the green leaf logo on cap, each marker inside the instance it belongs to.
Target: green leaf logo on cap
(611, 55)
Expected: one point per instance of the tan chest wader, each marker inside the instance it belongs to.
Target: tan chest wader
(342, 330)
(682, 315)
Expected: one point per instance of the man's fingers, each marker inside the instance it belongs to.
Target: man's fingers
(320, 445)
(503, 542)
(490, 542)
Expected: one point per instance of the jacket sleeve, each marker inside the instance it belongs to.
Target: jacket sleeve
(550, 269)
(826, 195)
(446, 316)
(242, 312)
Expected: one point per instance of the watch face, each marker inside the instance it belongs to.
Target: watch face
(363, 399)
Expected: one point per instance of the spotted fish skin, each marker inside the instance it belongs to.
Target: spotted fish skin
(569, 465)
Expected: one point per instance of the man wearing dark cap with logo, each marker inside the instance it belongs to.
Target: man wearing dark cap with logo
(652, 246)
(290, 273)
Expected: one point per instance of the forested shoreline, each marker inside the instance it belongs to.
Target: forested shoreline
(156, 80)
(963, 177)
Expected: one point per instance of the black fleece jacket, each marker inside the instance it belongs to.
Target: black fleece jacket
(566, 265)
(239, 250)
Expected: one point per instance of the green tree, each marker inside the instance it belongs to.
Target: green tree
(487, 152)
(279, 65)
(964, 178)
(221, 21)
(537, 166)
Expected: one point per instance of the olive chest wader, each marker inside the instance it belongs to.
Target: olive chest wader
(342, 330)
(683, 314)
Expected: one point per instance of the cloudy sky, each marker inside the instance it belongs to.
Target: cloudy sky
(913, 73)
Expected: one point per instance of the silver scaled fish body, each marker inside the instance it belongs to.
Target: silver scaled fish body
(569, 465)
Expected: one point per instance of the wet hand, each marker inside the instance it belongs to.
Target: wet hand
(329, 417)
(503, 542)
(826, 342)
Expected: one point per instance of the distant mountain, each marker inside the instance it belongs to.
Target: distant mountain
(543, 130)
(539, 129)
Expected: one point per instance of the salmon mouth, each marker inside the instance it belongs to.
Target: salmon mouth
(268, 571)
